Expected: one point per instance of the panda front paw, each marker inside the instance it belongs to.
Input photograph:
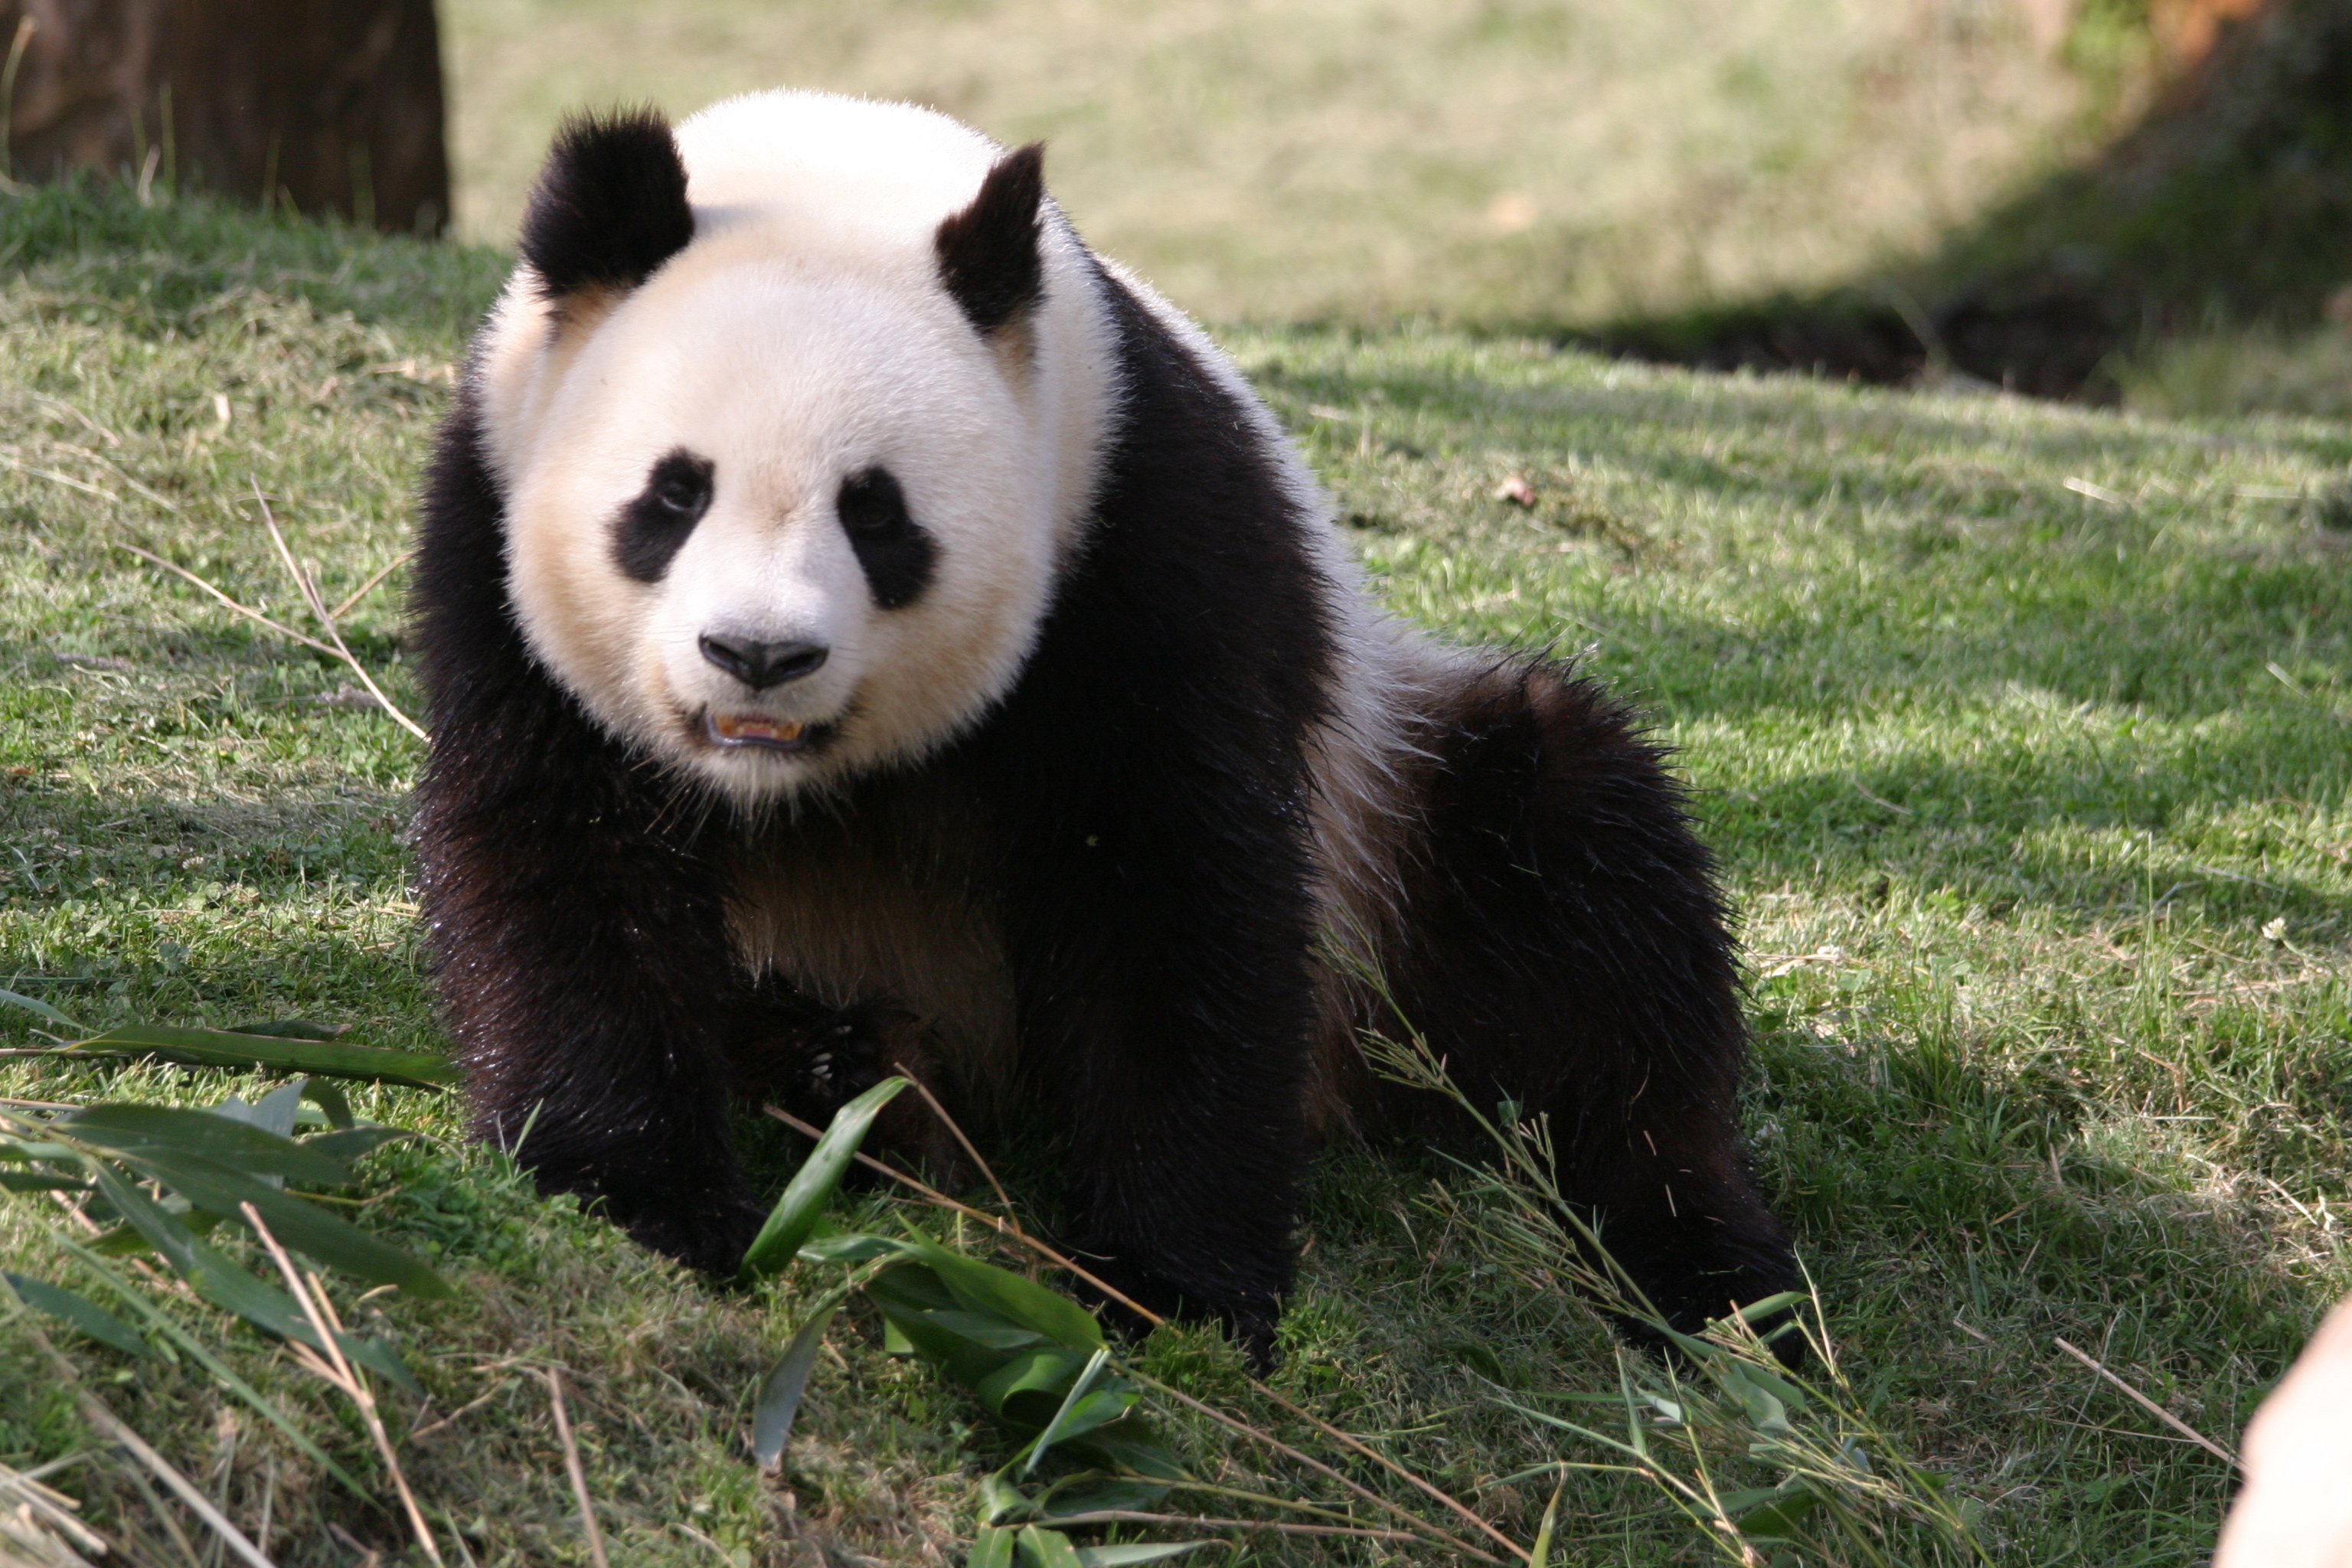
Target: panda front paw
(1690, 1299)
(705, 1220)
(844, 1054)
(1250, 1317)
(710, 1240)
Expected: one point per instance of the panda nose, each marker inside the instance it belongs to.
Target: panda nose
(759, 665)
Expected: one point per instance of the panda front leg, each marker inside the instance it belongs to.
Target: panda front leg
(585, 978)
(1162, 964)
(1567, 952)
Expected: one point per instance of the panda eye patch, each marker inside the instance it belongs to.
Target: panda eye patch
(650, 528)
(895, 553)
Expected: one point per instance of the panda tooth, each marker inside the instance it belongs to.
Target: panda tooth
(737, 727)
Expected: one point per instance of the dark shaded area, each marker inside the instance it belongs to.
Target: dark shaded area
(2229, 204)
(329, 106)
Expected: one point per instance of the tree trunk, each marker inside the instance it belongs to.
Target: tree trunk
(323, 105)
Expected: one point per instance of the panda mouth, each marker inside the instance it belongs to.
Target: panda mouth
(758, 732)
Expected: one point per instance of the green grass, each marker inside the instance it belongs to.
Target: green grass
(2034, 801)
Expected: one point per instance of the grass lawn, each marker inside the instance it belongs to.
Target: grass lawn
(2022, 731)
(1485, 159)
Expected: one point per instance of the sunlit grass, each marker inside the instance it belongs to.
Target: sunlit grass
(1350, 159)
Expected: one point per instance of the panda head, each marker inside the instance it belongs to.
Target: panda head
(795, 411)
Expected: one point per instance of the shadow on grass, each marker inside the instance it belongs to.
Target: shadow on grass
(2229, 202)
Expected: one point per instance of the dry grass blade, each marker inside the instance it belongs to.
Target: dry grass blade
(1013, 1232)
(55, 478)
(164, 1516)
(555, 1380)
(42, 1520)
(365, 589)
(1258, 1435)
(116, 1431)
(246, 611)
(2150, 1406)
(310, 592)
(455, 1415)
(333, 1368)
(956, 1131)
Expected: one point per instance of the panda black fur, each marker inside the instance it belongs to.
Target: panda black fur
(863, 626)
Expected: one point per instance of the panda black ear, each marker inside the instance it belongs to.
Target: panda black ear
(988, 252)
(610, 206)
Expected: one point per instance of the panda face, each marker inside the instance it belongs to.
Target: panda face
(777, 526)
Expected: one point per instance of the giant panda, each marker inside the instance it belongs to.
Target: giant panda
(864, 627)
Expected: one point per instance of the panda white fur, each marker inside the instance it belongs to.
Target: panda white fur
(864, 627)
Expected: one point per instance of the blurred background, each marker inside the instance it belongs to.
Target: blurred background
(2136, 201)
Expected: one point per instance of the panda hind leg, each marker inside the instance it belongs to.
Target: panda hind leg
(1567, 952)
(811, 1061)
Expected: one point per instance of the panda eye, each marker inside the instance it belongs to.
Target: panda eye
(896, 552)
(651, 528)
(871, 504)
(684, 494)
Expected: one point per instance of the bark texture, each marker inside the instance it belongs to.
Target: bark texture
(324, 105)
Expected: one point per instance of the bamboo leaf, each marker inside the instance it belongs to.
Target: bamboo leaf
(293, 1029)
(229, 1286)
(86, 1315)
(780, 1395)
(161, 1322)
(229, 1049)
(158, 1225)
(793, 1219)
(1028, 1388)
(1000, 1500)
(1042, 1547)
(1756, 1311)
(304, 1227)
(274, 1112)
(1100, 1408)
(985, 1288)
(1088, 1492)
(1138, 1552)
(35, 1004)
(348, 1144)
(1540, 1549)
(234, 1289)
(849, 1248)
(1067, 1420)
(1130, 1446)
(148, 1131)
(26, 1182)
(1778, 1520)
(328, 1097)
(984, 1331)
